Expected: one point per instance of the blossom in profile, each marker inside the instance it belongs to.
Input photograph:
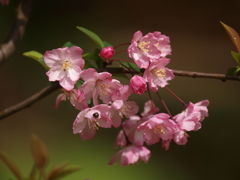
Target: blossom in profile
(145, 49)
(65, 64)
(157, 75)
(75, 96)
(131, 155)
(91, 119)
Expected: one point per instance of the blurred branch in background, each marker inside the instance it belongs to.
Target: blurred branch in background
(17, 30)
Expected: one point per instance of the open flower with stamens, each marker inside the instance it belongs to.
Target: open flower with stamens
(157, 74)
(65, 64)
(145, 49)
(75, 96)
(120, 107)
(158, 127)
(90, 119)
(99, 84)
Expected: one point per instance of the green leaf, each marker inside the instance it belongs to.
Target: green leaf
(131, 66)
(68, 44)
(36, 56)
(106, 44)
(232, 71)
(124, 76)
(79, 83)
(13, 167)
(233, 35)
(93, 36)
(236, 56)
(90, 56)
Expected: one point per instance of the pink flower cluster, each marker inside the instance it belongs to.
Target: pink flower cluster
(103, 102)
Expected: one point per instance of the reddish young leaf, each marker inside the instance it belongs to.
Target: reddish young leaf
(233, 35)
(11, 165)
(39, 152)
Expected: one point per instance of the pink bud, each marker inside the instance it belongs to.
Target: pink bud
(138, 84)
(107, 52)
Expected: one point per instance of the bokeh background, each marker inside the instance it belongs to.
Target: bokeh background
(199, 43)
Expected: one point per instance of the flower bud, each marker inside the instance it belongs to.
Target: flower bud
(107, 52)
(138, 84)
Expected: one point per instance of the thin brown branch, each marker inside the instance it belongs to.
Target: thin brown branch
(46, 91)
(29, 101)
(223, 77)
(17, 30)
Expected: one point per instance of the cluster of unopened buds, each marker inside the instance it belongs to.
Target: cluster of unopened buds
(103, 101)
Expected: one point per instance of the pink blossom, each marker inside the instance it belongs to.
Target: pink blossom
(121, 108)
(144, 49)
(99, 84)
(107, 52)
(131, 155)
(121, 140)
(157, 75)
(190, 119)
(138, 84)
(158, 126)
(149, 109)
(180, 136)
(75, 96)
(66, 65)
(90, 119)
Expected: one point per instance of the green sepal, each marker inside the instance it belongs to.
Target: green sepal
(36, 56)
(106, 44)
(131, 66)
(236, 56)
(68, 44)
(93, 36)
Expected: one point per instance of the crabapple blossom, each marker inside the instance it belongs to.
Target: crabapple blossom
(99, 84)
(138, 84)
(90, 119)
(131, 155)
(130, 125)
(107, 52)
(65, 65)
(120, 107)
(75, 96)
(190, 119)
(157, 74)
(158, 126)
(145, 49)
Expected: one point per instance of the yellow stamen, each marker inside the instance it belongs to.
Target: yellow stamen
(144, 46)
(159, 72)
(159, 129)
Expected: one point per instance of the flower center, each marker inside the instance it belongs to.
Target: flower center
(93, 124)
(159, 72)
(103, 88)
(125, 110)
(144, 46)
(159, 129)
(66, 64)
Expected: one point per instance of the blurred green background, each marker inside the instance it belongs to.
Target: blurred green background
(199, 43)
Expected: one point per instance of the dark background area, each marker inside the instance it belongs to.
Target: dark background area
(199, 43)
